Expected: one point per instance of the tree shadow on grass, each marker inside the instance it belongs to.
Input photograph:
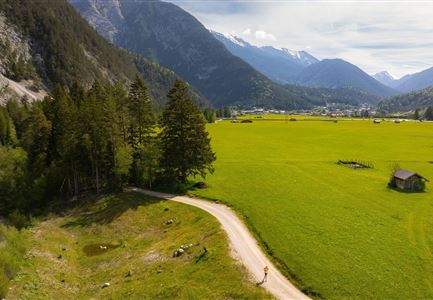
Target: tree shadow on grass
(109, 208)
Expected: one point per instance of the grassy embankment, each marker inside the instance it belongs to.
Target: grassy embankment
(65, 260)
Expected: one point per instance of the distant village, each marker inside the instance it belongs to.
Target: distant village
(331, 110)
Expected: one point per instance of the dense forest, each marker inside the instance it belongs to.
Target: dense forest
(78, 142)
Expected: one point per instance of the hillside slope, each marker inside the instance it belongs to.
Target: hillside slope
(173, 38)
(408, 102)
(126, 241)
(335, 73)
(60, 47)
(323, 96)
(417, 81)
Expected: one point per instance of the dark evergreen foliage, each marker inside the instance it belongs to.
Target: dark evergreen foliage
(185, 144)
(428, 115)
(78, 142)
(408, 102)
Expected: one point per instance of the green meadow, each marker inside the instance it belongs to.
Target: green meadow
(124, 240)
(337, 232)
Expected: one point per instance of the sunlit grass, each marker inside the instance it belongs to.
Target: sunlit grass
(341, 231)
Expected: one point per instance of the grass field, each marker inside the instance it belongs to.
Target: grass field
(65, 260)
(340, 231)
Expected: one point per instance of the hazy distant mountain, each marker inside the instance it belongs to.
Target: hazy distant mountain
(408, 102)
(323, 96)
(280, 65)
(300, 57)
(385, 78)
(413, 82)
(336, 73)
(171, 37)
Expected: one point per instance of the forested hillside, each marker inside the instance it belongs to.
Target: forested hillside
(323, 96)
(408, 102)
(64, 49)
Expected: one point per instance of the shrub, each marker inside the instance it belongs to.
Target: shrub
(13, 246)
(19, 220)
(394, 168)
(419, 186)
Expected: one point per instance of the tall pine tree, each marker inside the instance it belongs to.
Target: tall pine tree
(186, 149)
(141, 129)
(140, 111)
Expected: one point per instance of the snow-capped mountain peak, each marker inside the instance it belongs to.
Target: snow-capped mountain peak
(385, 74)
(293, 53)
(301, 57)
(384, 77)
(230, 37)
(279, 64)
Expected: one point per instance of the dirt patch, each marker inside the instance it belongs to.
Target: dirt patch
(152, 257)
(99, 249)
(355, 164)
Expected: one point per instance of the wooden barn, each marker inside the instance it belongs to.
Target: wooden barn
(408, 180)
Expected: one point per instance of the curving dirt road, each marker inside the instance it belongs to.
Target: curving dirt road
(243, 243)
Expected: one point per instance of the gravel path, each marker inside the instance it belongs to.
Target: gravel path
(243, 243)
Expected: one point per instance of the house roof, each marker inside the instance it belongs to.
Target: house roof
(405, 174)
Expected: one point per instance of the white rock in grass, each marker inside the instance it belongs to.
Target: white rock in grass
(105, 285)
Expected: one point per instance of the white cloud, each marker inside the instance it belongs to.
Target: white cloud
(375, 36)
(263, 35)
(246, 31)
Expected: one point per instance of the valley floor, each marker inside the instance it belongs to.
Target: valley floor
(338, 232)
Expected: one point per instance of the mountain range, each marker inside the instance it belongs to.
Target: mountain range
(407, 83)
(171, 37)
(48, 43)
(280, 65)
(301, 68)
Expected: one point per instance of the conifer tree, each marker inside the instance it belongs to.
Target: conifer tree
(140, 111)
(416, 114)
(428, 115)
(122, 106)
(185, 144)
(141, 128)
(98, 131)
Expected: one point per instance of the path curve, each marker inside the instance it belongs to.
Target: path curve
(243, 243)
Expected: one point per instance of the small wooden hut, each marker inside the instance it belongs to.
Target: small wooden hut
(408, 181)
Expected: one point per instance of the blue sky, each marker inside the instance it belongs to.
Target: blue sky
(391, 35)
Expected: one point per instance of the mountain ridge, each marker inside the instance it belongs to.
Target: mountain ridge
(337, 73)
(414, 82)
(171, 37)
(280, 65)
